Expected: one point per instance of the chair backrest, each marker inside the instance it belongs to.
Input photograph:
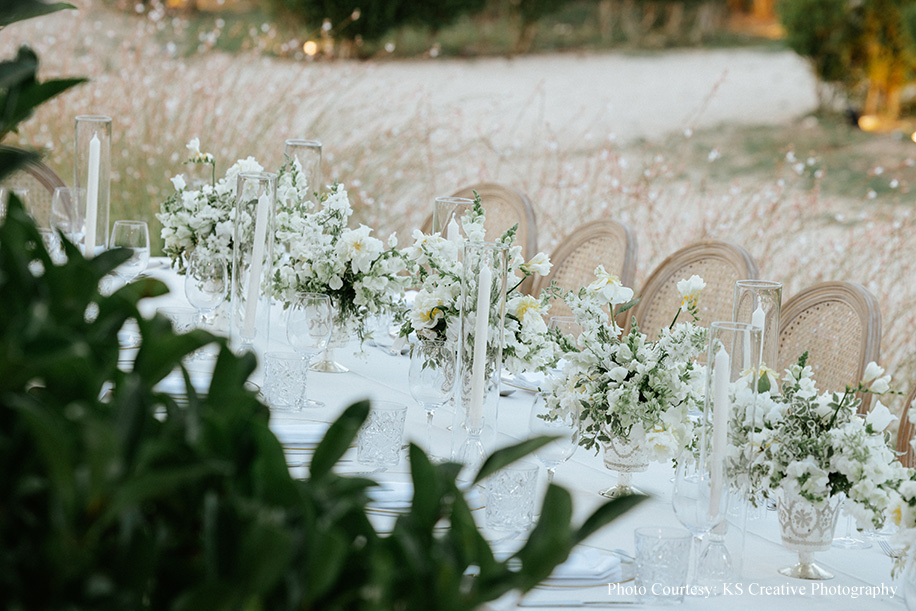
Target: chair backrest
(602, 242)
(505, 207)
(719, 263)
(839, 325)
(40, 181)
(906, 455)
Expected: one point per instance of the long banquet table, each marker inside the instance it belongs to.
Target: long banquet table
(862, 577)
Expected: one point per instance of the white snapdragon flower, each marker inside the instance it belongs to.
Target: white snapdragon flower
(879, 418)
(872, 372)
(881, 385)
(609, 287)
(178, 182)
(689, 290)
(539, 264)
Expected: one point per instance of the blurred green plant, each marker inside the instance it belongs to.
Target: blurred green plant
(20, 90)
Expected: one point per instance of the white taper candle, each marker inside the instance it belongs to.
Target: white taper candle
(478, 368)
(92, 195)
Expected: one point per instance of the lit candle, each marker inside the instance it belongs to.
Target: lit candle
(257, 263)
(478, 369)
(721, 408)
(92, 195)
(453, 232)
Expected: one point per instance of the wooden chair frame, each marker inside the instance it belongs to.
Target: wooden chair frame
(677, 266)
(856, 298)
(906, 455)
(36, 171)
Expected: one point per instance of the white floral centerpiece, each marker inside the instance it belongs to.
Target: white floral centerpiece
(318, 252)
(815, 445)
(629, 382)
(202, 217)
(435, 263)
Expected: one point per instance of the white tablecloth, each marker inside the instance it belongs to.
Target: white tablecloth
(862, 576)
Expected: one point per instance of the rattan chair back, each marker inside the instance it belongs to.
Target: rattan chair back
(602, 242)
(40, 181)
(505, 207)
(719, 263)
(839, 325)
(906, 454)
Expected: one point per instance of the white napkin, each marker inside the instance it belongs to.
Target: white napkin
(587, 564)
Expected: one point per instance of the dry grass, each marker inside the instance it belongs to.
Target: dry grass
(247, 105)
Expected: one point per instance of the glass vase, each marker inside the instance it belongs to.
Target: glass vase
(92, 172)
(252, 257)
(447, 211)
(626, 457)
(759, 302)
(482, 309)
(308, 154)
(726, 449)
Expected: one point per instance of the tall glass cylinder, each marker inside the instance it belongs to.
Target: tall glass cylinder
(308, 154)
(728, 445)
(447, 213)
(759, 302)
(482, 310)
(92, 172)
(252, 256)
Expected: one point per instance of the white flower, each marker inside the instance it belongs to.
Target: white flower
(358, 248)
(879, 417)
(872, 371)
(690, 291)
(881, 385)
(609, 288)
(539, 264)
(178, 182)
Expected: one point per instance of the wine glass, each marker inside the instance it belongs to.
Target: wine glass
(559, 421)
(700, 502)
(431, 379)
(205, 284)
(308, 330)
(68, 213)
(133, 235)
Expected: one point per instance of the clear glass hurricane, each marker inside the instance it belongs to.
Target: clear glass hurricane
(308, 330)
(561, 422)
(432, 379)
(700, 502)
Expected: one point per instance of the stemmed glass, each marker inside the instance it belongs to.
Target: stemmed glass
(133, 235)
(562, 422)
(205, 285)
(700, 504)
(68, 213)
(308, 330)
(432, 379)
